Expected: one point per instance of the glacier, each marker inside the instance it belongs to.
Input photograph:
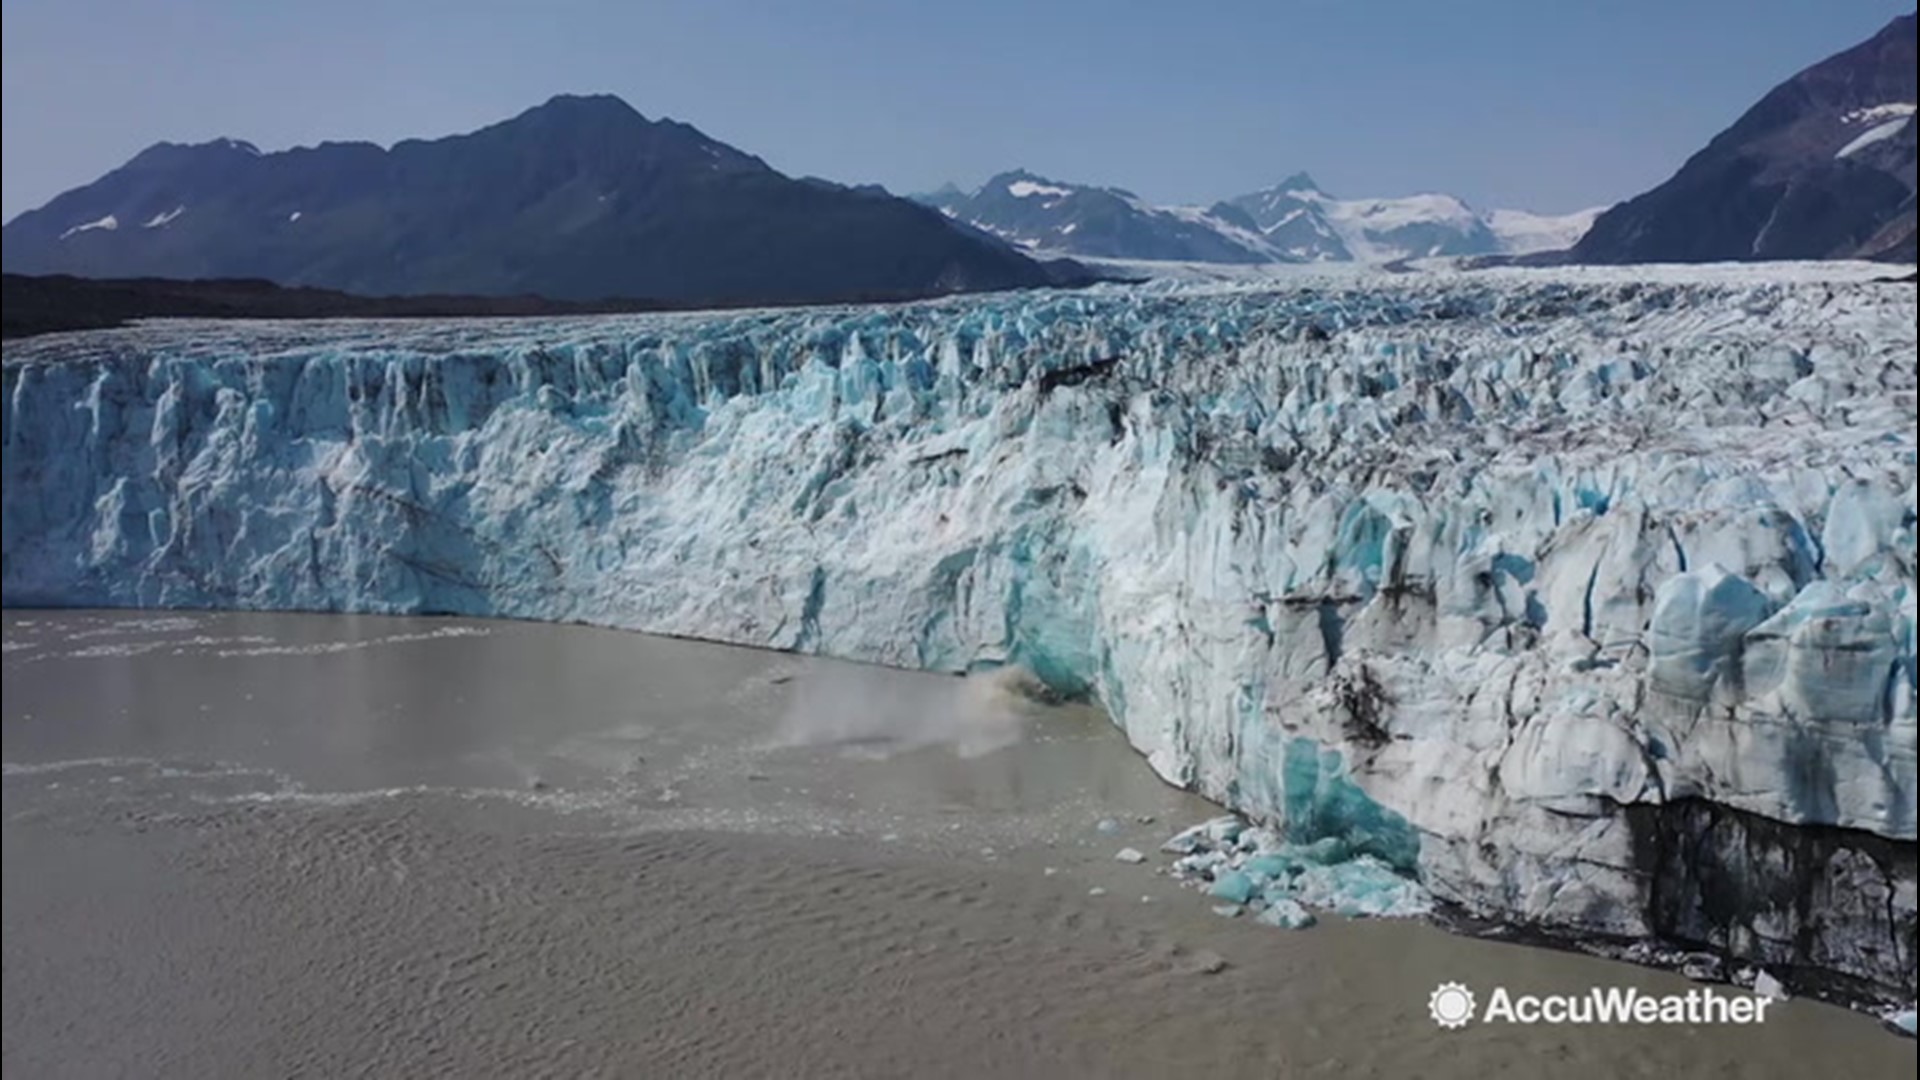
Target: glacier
(1584, 596)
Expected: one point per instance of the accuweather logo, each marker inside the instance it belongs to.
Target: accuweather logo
(1453, 1006)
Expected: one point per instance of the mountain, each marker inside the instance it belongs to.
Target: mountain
(1101, 222)
(1292, 216)
(1371, 229)
(1822, 167)
(1292, 222)
(1307, 224)
(580, 198)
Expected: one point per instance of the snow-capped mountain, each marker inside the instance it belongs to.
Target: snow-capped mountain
(1292, 216)
(1292, 222)
(1591, 605)
(1305, 223)
(1040, 214)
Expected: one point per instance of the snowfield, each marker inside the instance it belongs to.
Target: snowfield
(1523, 233)
(1584, 596)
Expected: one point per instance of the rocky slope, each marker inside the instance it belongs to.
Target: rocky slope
(1588, 599)
(579, 199)
(1821, 167)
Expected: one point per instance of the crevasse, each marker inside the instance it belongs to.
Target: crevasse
(1589, 600)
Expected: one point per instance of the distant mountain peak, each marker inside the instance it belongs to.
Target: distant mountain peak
(586, 105)
(1022, 176)
(223, 146)
(597, 112)
(223, 157)
(1300, 181)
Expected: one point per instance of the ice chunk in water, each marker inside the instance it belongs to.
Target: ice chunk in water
(1232, 885)
(1271, 866)
(1286, 914)
(1199, 864)
(1224, 830)
(1364, 887)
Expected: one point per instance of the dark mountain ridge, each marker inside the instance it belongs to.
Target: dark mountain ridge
(1821, 167)
(577, 199)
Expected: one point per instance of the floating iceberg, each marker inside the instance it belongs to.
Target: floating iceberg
(1586, 597)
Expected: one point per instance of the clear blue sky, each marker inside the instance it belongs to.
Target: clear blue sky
(1541, 104)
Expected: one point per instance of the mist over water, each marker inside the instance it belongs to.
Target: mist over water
(875, 713)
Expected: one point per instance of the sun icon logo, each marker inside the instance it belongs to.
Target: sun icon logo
(1451, 1004)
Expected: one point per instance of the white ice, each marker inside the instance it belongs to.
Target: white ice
(108, 223)
(1878, 133)
(157, 220)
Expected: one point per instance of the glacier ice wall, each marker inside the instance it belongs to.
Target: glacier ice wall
(1588, 598)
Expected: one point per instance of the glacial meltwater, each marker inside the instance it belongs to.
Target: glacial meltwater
(275, 845)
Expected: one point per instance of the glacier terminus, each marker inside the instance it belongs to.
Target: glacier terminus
(1585, 597)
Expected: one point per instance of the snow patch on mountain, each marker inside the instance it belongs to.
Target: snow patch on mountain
(1023, 189)
(1380, 230)
(108, 223)
(1892, 110)
(1521, 232)
(1878, 133)
(1386, 214)
(1204, 217)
